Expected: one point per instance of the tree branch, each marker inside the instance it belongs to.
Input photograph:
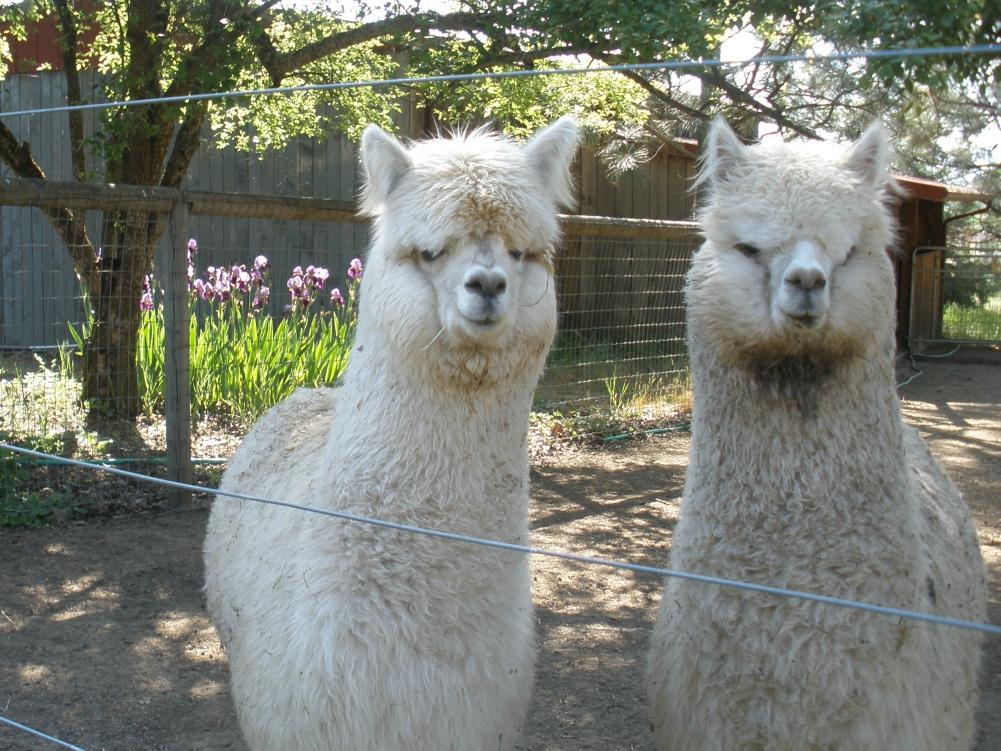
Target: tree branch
(666, 139)
(186, 143)
(663, 96)
(67, 49)
(714, 78)
(261, 9)
(977, 212)
(285, 64)
(70, 227)
(206, 57)
(531, 56)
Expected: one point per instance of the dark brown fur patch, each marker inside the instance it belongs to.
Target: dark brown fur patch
(797, 370)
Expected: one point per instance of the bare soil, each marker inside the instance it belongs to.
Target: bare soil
(104, 640)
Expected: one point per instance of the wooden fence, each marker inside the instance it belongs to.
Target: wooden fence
(598, 295)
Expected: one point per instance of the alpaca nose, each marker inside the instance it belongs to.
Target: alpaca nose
(807, 267)
(806, 278)
(486, 282)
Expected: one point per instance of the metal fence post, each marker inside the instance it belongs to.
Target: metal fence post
(176, 317)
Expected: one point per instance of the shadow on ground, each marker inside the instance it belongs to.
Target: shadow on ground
(104, 641)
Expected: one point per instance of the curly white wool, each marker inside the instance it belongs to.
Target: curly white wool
(803, 475)
(344, 637)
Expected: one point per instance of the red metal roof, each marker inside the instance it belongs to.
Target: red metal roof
(930, 190)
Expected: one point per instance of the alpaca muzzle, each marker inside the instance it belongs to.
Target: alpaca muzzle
(803, 296)
(483, 298)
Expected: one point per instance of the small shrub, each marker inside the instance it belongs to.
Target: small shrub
(21, 503)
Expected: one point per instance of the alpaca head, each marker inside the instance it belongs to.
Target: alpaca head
(793, 278)
(460, 272)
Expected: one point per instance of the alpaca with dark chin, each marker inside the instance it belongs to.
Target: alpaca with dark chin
(803, 475)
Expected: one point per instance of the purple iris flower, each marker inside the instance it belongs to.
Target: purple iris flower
(261, 297)
(146, 301)
(355, 269)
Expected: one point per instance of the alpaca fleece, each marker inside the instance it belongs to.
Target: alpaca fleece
(346, 637)
(803, 475)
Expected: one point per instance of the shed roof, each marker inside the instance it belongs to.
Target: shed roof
(931, 190)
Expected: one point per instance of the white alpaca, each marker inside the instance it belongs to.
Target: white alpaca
(802, 475)
(343, 636)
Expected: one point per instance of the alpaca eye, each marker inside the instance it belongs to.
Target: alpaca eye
(516, 254)
(747, 249)
(429, 255)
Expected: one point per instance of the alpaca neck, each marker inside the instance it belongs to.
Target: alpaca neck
(430, 393)
(763, 448)
(388, 401)
(431, 449)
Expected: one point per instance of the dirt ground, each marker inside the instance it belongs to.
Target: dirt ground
(104, 640)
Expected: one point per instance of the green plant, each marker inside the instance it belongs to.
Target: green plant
(242, 361)
(978, 323)
(22, 504)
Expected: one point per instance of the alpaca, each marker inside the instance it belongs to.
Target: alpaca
(802, 475)
(342, 636)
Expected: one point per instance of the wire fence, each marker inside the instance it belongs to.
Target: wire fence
(228, 325)
(956, 297)
(620, 360)
(457, 538)
(663, 65)
(526, 549)
(38, 734)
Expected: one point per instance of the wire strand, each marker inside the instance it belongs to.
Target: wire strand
(530, 550)
(39, 734)
(980, 49)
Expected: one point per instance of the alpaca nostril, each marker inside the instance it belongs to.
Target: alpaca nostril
(476, 286)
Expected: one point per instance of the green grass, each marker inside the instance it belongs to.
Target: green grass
(975, 323)
(613, 377)
(593, 389)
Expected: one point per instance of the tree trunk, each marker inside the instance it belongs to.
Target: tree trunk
(110, 382)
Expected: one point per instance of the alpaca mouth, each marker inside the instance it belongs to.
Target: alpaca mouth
(485, 322)
(484, 330)
(481, 312)
(487, 317)
(806, 320)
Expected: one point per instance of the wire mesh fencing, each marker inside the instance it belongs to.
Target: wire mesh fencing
(955, 297)
(619, 364)
(168, 322)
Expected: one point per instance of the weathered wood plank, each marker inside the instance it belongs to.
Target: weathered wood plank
(177, 356)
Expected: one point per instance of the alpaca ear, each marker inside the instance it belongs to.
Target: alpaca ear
(385, 161)
(551, 151)
(867, 157)
(723, 154)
